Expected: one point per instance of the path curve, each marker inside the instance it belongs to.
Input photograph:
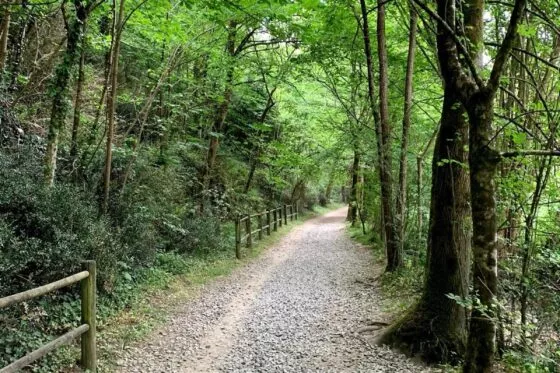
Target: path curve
(298, 308)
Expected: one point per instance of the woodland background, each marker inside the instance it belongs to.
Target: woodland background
(133, 132)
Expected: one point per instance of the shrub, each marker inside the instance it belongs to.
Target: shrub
(195, 235)
(45, 233)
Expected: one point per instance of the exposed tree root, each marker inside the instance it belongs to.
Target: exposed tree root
(418, 333)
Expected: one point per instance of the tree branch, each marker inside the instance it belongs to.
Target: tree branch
(523, 153)
(507, 44)
(460, 46)
(540, 59)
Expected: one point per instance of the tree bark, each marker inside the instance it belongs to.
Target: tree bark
(389, 231)
(59, 110)
(77, 108)
(436, 327)
(394, 249)
(408, 94)
(5, 31)
(419, 183)
(353, 201)
(483, 162)
(15, 49)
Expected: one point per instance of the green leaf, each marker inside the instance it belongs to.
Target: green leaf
(519, 138)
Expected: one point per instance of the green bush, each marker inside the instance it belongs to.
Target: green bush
(45, 233)
(195, 235)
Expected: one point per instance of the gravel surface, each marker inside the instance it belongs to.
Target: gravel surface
(300, 307)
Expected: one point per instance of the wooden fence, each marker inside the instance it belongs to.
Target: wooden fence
(86, 330)
(266, 222)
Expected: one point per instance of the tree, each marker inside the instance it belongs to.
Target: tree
(382, 132)
(436, 327)
(394, 248)
(75, 29)
(118, 26)
(4, 31)
(407, 109)
(461, 75)
(223, 106)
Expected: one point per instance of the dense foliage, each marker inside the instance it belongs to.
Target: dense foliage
(133, 132)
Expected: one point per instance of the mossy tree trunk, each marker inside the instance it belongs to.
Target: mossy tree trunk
(76, 122)
(4, 32)
(75, 29)
(436, 327)
(393, 246)
(483, 162)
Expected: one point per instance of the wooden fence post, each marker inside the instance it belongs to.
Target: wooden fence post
(297, 210)
(88, 299)
(285, 214)
(291, 212)
(260, 226)
(248, 232)
(268, 222)
(275, 217)
(237, 238)
(280, 220)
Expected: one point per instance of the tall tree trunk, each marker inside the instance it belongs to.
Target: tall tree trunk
(5, 31)
(252, 170)
(15, 47)
(483, 162)
(389, 231)
(77, 109)
(111, 101)
(436, 327)
(401, 195)
(353, 201)
(419, 183)
(394, 249)
(75, 31)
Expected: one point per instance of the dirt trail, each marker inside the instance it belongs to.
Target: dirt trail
(295, 309)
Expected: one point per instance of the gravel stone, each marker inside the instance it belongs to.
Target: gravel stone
(297, 308)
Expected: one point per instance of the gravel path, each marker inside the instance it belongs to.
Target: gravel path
(298, 308)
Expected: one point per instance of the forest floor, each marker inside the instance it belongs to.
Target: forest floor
(306, 304)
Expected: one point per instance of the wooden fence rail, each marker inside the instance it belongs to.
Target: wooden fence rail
(86, 330)
(267, 222)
